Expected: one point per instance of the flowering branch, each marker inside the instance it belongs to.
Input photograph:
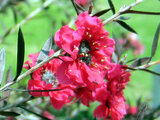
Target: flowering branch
(121, 11)
(32, 70)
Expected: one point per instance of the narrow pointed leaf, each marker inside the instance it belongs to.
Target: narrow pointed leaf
(39, 115)
(79, 7)
(141, 12)
(118, 46)
(141, 113)
(2, 64)
(111, 6)
(155, 41)
(6, 113)
(100, 13)
(75, 7)
(114, 57)
(140, 61)
(45, 50)
(20, 53)
(131, 60)
(143, 69)
(14, 15)
(90, 9)
(124, 18)
(8, 79)
(126, 26)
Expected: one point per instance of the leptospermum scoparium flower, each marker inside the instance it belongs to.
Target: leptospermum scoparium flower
(44, 79)
(84, 71)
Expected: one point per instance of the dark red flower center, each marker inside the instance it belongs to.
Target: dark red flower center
(50, 78)
(83, 53)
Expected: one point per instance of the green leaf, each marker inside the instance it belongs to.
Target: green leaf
(39, 115)
(14, 15)
(100, 13)
(117, 46)
(155, 41)
(141, 12)
(20, 53)
(143, 69)
(140, 61)
(45, 50)
(111, 6)
(124, 18)
(6, 113)
(2, 64)
(75, 7)
(8, 79)
(126, 26)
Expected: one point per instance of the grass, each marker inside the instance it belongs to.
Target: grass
(37, 30)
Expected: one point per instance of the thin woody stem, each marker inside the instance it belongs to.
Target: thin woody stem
(30, 16)
(122, 10)
(16, 104)
(32, 70)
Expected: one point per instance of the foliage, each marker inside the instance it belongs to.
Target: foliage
(46, 57)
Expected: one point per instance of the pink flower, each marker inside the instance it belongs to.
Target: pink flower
(63, 96)
(117, 80)
(131, 41)
(48, 115)
(82, 2)
(33, 58)
(111, 95)
(138, 48)
(132, 110)
(44, 79)
(88, 52)
(110, 105)
(86, 95)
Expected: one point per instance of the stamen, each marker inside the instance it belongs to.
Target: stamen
(87, 33)
(102, 60)
(106, 67)
(101, 37)
(49, 77)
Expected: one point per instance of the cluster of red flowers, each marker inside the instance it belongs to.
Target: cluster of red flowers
(85, 71)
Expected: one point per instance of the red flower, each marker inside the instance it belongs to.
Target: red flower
(131, 41)
(110, 105)
(82, 2)
(137, 46)
(117, 80)
(132, 110)
(88, 52)
(86, 95)
(60, 98)
(44, 79)
(33, 58)
(48, 115)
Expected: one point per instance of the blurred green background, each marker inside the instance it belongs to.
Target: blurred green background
(37, 30)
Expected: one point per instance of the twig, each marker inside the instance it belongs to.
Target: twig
(30, 16)
(75, 7)
(16, 104)
(122, 10)
(31, 70)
